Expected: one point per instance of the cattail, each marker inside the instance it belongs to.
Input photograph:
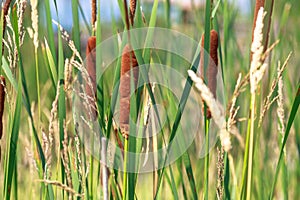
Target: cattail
(128, 62)
(91, 84)
(132, 8)
(2, 98)
(258, 5)
(94, 12)
(212, 68)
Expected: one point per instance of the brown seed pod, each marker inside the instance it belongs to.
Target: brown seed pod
(91, 84)
(132, 8)
(128, 62)
(212, 69)
(2, 99)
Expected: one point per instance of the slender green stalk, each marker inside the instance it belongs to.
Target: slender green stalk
(37, 85)
(251, 147)
(125, 169)
(206, 166)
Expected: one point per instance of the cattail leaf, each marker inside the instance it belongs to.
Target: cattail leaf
(149, 37)
(13, 142)
(9, 74)
(26, 100)
(50, 30)
(76, 26)
(286, 135)
(213, 13)
(87, 24)
(1, 39)
(52, 65)
(189, 171)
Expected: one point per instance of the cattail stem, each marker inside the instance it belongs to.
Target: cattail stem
(94, 14)
(128, 64)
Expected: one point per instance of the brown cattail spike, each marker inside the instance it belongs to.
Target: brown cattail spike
(128, 63)
(212, 69)
(258, 5)
(94, 12)
(2, 98)
(91, 84)
(132, 8)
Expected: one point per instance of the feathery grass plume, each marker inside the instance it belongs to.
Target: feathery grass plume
(212, 69)
(257, 67)
(35, 21)
(2, 99)
(132, 7)
(128, 63)
(215, 107)
(280, 108)
(268, 101)
(94, 13)
(65, 157)
(20, 12)
(5, 11)
(91, 89)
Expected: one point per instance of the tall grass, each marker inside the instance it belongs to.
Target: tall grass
(44, 154)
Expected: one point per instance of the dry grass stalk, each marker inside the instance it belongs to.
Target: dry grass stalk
(62, 186)
(65, 157)
(268, 101)
(78, 162)
(220, 180)
(212, 69)
(215, 108)
(48, 155)
(35, 21)
(129, 65)
(68, 72)
(91, 69)
(280, 108)
(71, 44)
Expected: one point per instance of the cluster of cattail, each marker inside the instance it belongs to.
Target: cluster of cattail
(2, 98)
(91, 83)
(129, 65)
(212, 68)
